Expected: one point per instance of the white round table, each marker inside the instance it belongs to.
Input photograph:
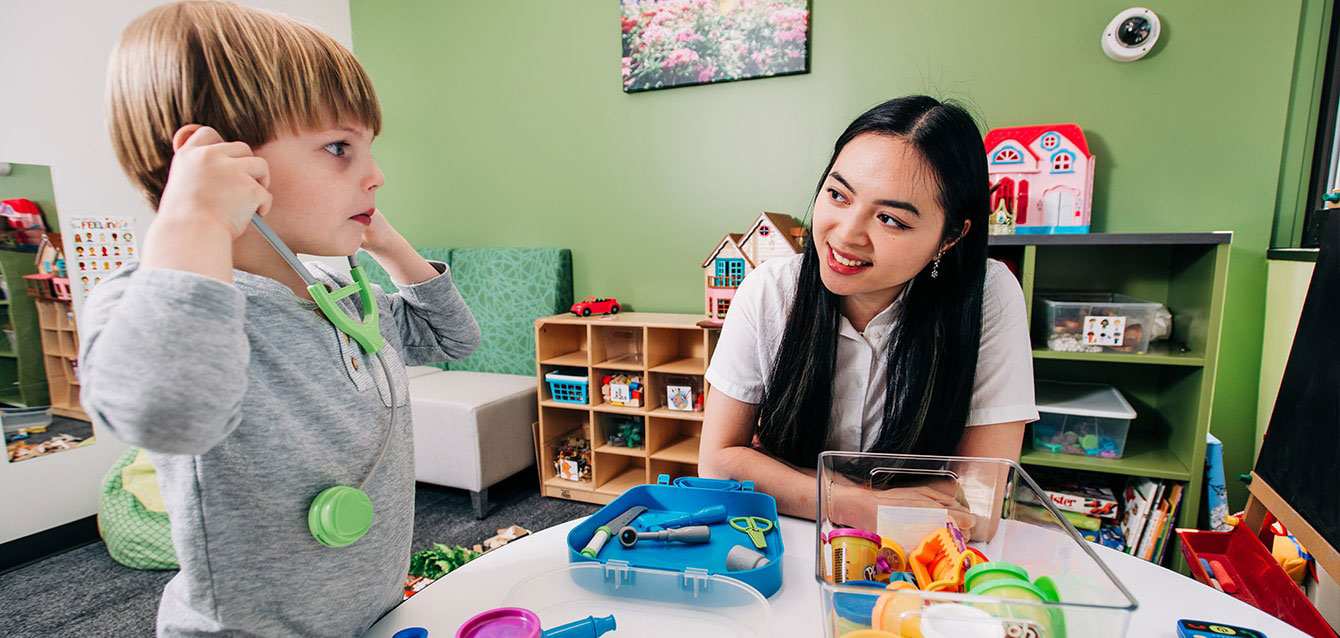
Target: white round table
(1164, 596)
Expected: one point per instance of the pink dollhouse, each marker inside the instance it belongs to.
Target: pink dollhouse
(1043, 175)
(737, 254)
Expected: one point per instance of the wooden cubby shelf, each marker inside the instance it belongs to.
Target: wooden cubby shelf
(658, 348)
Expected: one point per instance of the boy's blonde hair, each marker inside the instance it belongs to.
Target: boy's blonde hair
(248, 73)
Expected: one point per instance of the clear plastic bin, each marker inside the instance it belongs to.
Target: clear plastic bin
(15, 419)
(1098, 322)
(1087, 419)
(1071, 593)
(645, 602)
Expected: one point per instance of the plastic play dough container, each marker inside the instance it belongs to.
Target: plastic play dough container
(899, 614)
(853, 551)
(507, 622)
(853, 610)
(1023, 591)
(995, 570)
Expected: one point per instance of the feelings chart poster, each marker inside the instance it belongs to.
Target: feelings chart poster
(98, 247)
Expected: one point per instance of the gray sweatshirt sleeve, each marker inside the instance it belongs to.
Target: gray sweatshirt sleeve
(163, 359)
(434, 322)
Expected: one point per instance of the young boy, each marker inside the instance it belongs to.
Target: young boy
(212, 355)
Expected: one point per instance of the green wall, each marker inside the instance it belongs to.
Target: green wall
(505, 125)
(32, 181)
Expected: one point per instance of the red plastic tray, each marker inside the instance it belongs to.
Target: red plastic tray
(1260, 581)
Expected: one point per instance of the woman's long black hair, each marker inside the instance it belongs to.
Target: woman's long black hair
(932, 356)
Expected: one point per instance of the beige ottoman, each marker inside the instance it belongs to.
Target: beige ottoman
(471, 429)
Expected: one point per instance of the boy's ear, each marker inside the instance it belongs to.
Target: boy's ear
(184, 133)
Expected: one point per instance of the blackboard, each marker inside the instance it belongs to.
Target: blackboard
(1300, 457)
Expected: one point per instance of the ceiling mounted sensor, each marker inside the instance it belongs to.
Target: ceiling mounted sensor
(1131, 35)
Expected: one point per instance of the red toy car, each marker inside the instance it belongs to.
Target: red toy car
(597, 305)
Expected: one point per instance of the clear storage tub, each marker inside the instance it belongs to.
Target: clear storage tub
(1090, 419)
(1069, 591)
(645, 602)
(1098, 322)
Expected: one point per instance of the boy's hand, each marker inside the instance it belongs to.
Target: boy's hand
(380, 236)
(215, 182)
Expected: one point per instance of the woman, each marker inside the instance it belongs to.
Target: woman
(892, 332)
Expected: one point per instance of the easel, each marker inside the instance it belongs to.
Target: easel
(1264, 498)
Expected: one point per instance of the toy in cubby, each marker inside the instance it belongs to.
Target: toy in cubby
(622, 390)
(572, 460)
(625, 432)
(567, 386)
(683, 394)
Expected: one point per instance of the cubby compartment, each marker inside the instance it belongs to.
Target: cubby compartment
(674, 440)
(618, 390)
(617, 347)
(615, 473)
(678, 396)
(565, 385)
(560, 428)
(676, 350)
(561, 345)
(624, 434)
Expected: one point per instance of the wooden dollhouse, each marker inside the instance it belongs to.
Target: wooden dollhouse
(737, 254)
(1043, 177)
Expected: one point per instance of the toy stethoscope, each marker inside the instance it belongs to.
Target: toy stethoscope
(341, 514)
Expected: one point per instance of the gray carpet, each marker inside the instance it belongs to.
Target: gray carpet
(83, 592)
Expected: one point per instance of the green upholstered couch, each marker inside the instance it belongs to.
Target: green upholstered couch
(472, 420)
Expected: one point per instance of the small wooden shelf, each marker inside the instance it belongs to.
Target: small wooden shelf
(684, 450)
(631, 477)
(683, 415)
(619, 449)
(626, 362)
(691, 365)
(577, 359)
(656, 347)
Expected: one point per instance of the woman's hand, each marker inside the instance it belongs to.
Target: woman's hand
(858, 506)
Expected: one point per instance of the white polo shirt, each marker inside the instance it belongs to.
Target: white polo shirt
(743, 360)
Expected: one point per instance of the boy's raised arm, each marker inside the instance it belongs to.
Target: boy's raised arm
(164, 358)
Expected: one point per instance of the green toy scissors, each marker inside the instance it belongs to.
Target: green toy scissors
(754, 526)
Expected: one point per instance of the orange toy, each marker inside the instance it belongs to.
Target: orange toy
(940, 561)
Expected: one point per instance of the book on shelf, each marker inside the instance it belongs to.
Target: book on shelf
(1139, 500)
(1174, 499)
(1073, 492)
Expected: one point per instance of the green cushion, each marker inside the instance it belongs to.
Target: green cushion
(136, 536)
(507, 289)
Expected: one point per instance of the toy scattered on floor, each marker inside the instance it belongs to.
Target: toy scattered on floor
(627, 432)
(597, 305)
(439, 560)
(738, 254)
(20, 451)
(754, 526)
(622, 390)
(572, 460)
(1043, 175)
(694, 534)
(515, 622)
(605, 532)
(1204, 629)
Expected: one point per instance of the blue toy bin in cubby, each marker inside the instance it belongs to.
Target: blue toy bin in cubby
(567, 387)
(688, 562)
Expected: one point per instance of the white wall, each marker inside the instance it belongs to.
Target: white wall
(52, 71)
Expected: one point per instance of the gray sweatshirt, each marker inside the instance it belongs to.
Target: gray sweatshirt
(251, 403)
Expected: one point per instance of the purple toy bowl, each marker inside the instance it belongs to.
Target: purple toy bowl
(504, 622)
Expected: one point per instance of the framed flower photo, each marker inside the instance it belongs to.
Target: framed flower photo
(670, 43)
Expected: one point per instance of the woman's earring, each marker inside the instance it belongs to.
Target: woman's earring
(935, 268)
